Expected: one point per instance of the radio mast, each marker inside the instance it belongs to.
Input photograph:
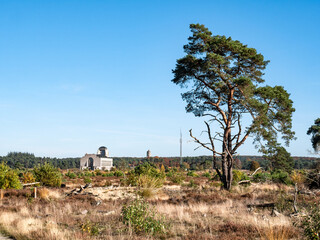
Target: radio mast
(180, 148)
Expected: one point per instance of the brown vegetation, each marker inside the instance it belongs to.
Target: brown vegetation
(200, 210)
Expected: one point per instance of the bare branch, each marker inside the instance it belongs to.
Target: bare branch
(215, 118)
(202, 144)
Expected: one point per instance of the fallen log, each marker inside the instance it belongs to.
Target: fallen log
(255, 171)
(244, 182)
(306, 192)
(261, 205)
(30, 184)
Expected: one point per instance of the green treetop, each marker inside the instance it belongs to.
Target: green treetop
(224, 81)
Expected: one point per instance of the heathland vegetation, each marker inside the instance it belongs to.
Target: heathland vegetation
(151, 202)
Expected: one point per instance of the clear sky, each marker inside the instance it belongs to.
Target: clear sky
(76, 75)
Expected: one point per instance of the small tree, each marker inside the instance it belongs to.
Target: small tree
(48, 175)
(314, 131)
(8, 177)
(280, 159)
(254, 165)
(224, 81)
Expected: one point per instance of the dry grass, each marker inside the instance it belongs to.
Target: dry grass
(193, 214)
(276, 233)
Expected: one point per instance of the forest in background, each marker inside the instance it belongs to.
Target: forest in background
(29, 160)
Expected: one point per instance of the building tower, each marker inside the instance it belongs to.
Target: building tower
(180, 148)
(148, 154)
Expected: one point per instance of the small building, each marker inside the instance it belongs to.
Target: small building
(100, 160)
(148, 154)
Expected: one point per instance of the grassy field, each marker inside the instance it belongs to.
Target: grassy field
(196, 208)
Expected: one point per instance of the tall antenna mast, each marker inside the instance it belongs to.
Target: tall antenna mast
(180, 148)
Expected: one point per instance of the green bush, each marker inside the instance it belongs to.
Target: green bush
(118, 173)
(91, 228)
(192, 174)
(8, 177)
(148, 169)
(143, 219)
(48, 175)
(262, 177)
(146, 175)
(71, 175)
(98, 172)
(192, 184)
(206, 174)
(80, 174)
(311, 223)
(87, 173)
(280, 176)
(87, 180)
(177, 177)
(169, 173)
(108, 174)
(239, 176)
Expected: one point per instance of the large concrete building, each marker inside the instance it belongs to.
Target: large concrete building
(100, 160)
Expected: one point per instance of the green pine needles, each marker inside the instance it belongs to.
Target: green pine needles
(224, 82)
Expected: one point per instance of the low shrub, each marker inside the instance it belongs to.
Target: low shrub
(28, 177)
(192, 174)
(8, 177)
(91, 228)
(80, 174)
(107, 183)
(146, 181)
(143, 219)
(108, 174)
(87, 173)
(177, 177)
(239, 176)
(87, 180)
(280, 176)
(206, 174)
(145, 176)
(169, 173)
(283, 203)
(262, 177)
(311, 223)
(48, 175)
(149, 169)
(118, 173)
(192, 184)
(71, 175)
(313, 180)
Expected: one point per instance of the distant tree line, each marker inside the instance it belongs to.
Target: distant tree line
(28, 160)
(205, 162)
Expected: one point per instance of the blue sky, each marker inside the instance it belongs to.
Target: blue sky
(76, 75)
